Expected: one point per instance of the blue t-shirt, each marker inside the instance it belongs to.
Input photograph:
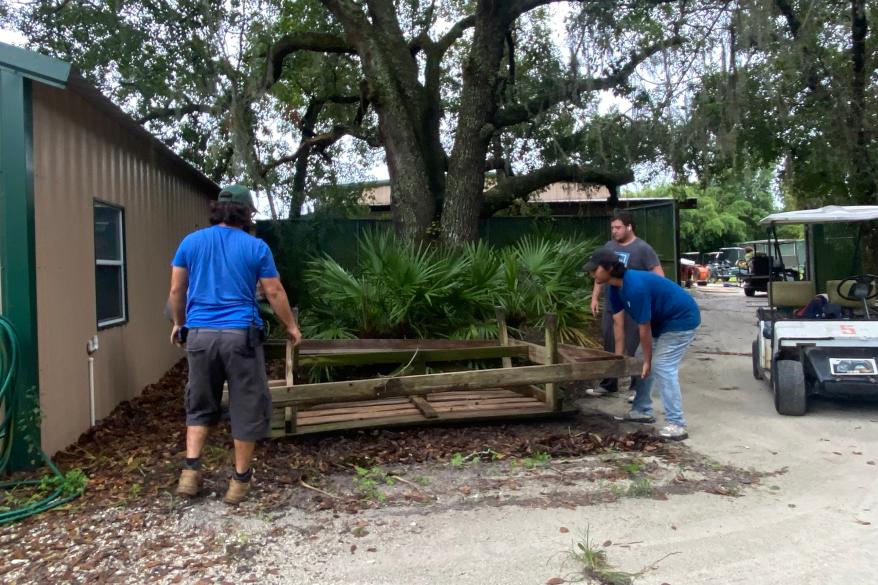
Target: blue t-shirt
(650, 298)
(224, 264)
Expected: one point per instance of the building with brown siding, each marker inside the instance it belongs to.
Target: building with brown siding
(93, 207)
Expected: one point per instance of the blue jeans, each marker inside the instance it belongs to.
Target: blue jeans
(667, 353)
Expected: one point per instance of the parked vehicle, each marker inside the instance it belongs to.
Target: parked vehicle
(818, 344)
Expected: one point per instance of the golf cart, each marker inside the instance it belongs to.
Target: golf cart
(819, 335)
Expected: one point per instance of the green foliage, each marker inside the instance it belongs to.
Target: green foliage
(728, 212)
(29, 493)
(368, 481)
(595, 566)
(792, 99)
(536, 459)
(401, 290)
(640, 487)
(73, 482)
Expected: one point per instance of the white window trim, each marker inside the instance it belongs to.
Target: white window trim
(120, 263)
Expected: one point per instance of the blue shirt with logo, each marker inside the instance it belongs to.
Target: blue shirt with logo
(224, 264)
(650, 298)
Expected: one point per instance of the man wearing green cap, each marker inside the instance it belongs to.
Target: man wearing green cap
(213, 305)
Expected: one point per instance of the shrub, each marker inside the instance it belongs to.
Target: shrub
(401, 290)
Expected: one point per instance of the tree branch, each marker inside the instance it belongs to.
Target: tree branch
(518, 113)
(455, 33)
(304, 41)
(172, 112)
(786, 10)
(319, 143)
(502, 195)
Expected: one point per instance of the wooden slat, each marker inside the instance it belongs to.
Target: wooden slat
(410, 410)
(552, 398)
(311, 413)
(452, 395)
(403, 356)
(418, 420)
(426, 409)
(531, 406)
(274, 348)
(289, 375)
(533, 391)
(357, 404)
(503, 333)
(511, 402)
(430, 383)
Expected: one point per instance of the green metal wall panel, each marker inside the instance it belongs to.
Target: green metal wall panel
(17, 266)
(295, 242)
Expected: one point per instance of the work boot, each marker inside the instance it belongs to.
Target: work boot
(237, 492)
(190, 483)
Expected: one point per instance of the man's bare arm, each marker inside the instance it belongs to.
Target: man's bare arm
(657, 269)
(177, 299)
(645, 330)
(595, 298)
(619, 332)
(277, 298)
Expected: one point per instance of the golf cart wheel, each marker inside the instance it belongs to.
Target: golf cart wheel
(750, 292)
(788, 383)
(757, 367)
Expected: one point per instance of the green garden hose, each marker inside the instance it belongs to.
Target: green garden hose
(9, 355)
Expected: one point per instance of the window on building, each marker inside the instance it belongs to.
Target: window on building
(109, 224)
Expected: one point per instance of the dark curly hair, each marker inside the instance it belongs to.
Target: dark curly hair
(231, 214)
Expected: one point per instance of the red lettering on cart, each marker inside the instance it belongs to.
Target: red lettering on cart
(848, 329)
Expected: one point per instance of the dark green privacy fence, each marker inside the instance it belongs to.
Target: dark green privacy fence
(295, 242)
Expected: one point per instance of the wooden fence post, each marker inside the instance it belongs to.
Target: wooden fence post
(551, 322)
(503, 334)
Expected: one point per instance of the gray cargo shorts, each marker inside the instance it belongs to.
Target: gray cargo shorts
(219, 355)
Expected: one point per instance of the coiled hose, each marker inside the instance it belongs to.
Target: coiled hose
(9, 356)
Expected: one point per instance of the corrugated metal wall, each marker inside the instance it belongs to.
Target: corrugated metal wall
(81, 154)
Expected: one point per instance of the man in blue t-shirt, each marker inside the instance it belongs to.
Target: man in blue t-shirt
(666, 317)
(213, 305)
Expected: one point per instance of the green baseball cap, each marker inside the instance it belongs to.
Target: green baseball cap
(236, 194)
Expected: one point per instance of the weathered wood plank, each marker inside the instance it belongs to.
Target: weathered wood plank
(418, 356)
(427, 384)
(289, 375)
(510, 402)
(552, 399)
(532, 391)
(304, 415)
(529, 406)
(410, 410)
(275, 348)
(426, 409)
(503, 333)
(488, 393)
(419, 420)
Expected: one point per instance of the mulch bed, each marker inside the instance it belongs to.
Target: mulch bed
(134, 455)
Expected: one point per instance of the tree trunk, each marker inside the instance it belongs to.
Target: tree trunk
(408, 127)
(466, 169)
(862, 180)
(297, 197)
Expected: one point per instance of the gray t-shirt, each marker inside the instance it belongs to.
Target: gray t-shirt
(638, 255)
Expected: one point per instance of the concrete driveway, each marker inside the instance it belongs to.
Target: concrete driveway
(814, 522)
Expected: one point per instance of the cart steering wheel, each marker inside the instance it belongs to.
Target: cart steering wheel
(863, 289)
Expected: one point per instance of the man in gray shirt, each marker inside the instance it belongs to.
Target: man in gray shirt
(636, 254)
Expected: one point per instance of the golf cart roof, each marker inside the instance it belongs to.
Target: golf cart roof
(828, 214)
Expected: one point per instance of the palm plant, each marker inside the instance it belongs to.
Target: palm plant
(407, 290)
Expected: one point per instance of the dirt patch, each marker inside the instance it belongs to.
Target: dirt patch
(129, 524)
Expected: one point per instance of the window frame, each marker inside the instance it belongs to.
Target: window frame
(121, 263)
